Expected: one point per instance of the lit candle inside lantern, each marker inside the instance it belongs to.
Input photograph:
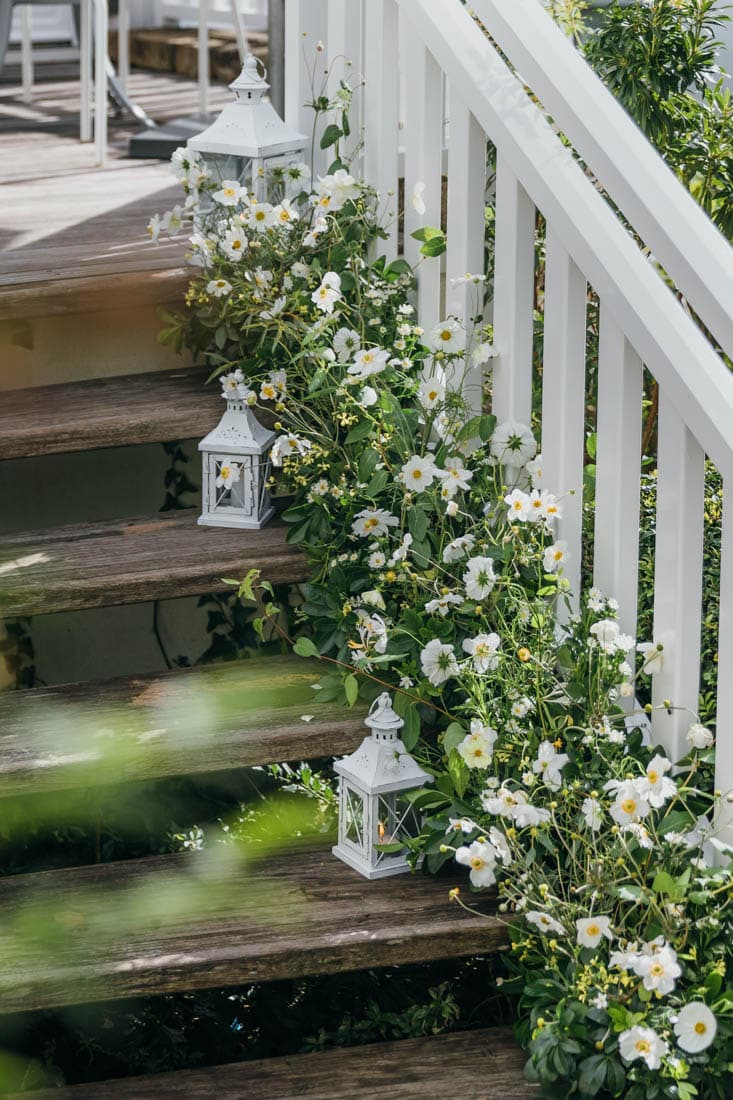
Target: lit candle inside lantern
(381, 831)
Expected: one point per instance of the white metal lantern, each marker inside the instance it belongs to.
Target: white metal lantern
(236, 470)
(373, 810)
(249, 138)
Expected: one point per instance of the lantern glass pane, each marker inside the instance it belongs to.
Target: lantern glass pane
(233, 485)
(396, 819)
(354, 819)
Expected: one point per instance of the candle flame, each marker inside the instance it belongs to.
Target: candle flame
(381, 830)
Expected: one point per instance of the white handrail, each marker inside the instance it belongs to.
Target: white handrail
(663, 334)
(696, 256)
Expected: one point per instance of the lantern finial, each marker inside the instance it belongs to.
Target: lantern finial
(251, 84)
(382, 719)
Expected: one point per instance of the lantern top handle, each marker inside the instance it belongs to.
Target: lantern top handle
(252, 81)
(382, 717)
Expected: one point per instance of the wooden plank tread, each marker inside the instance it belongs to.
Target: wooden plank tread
(186, 722)
(472, 1065)
(157, 557)
(108, 412)
(201, 921)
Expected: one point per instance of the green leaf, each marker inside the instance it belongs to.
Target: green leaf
(367, 462)
(331, 135)
(360, 431)
(351, 687)
(417, 522)
(453, 737)
(390, 849)
(427, 233)
(305, 647)
(434, 248)
(664, 884)
(410, 732)
(459, 773)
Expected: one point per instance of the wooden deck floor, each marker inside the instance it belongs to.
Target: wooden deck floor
(61, 216)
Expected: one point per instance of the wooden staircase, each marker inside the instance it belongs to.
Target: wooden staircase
(326, 919)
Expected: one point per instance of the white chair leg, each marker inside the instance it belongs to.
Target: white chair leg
(123, 43)
(101, 28)
(26, 52)
(203, 59)
(85, 56)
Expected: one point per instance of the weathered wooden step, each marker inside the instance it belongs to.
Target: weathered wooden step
(471, 1065)
(108, 412)
(203, 921)
(122, 561)
(187, 722)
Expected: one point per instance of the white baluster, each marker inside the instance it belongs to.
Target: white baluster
(306, 25)
(677, 577)
(513, 297)
(101, 33)
(26, 51)
(381, 99)
(203, 59)
(345, 62)
(618, 462)
(123, 42)
(423, 141)
(85, 70)
(563, 399)
(724, 717)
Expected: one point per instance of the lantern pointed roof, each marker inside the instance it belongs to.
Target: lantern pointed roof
(382, 763)
(250, 126)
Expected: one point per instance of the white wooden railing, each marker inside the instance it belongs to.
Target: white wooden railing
(436, 90)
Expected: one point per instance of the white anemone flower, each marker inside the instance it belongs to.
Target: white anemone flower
(549, 765)
(535, 471)
(592, 813)
(591, 930)
(481, 858)
(652, 657)
(698, 737)
(441, 605)
(644, 1043)
(554, 556)
(373, 522)
(658, 971)
(259, 216)
(454, 476)
(328, 293)
(368, 361)
(629, 805)
(229, 472)
(287, 446)
(284, 214)
(418, 202)
(431, 393)
(418, 473)
(461, 825)
(449, 337)
(229, 194)
(458, 548)
(544, 922)
(476, 749)
(518, 506)
(479, 577)
(438, 662)
(657, 787)
(346, 343)
(484, 651)
(695, 1027)
(218, 288)
(368, 397)
(513, 444)
(234, 243)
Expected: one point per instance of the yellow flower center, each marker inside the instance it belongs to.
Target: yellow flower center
(700, 1028)
(628, 806)
(369, 523)
(477, 863)
(653, 776)
(417, 474)
(259, 215)
(657, 970)
(642, 1045)
(446, 334)
(592, 930)
(557, 556)
(225, 471)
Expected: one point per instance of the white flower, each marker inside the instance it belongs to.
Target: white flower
(443, 604)
(328, 293)
(418, 473)
(695, 1027)
(286, 446)
(461, 825)
(259, 215)
(484, 650)
(518, 505)
(449, 337)
(431, 393)
(368, 397)
(479, 577)
(319, 488)
(599, 1001)
(455, 476)
(284, 214)
(228, 473)
(513, 444)
(154, 227)
(229, 194)
(231, 383)
(482, 353)
(373, 522)
(640, 834)
(234, 244)
(549, 765)
(544, 922)
(368, 361)
(373, 598)
(275, 309)
(698, 737)
(596, 599)
(591, 930)
(543, 505)
(400, 554)
(372, 634)
(418, 203)
(346, 343)
(451, 508)
(468, 279)
(501, 845)
(629, 804)
(644, 1043)
(652, 657)
(534, 469)
(477, 747)
(592, 813)
(659, 969)
(657, 788)
(438, 662)
(481, 858)
(458, 548)
(218, 288)
(609, 638)
(554, 556)
(334, 191)
(377, 560)
(320, 225)
(299, 270)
